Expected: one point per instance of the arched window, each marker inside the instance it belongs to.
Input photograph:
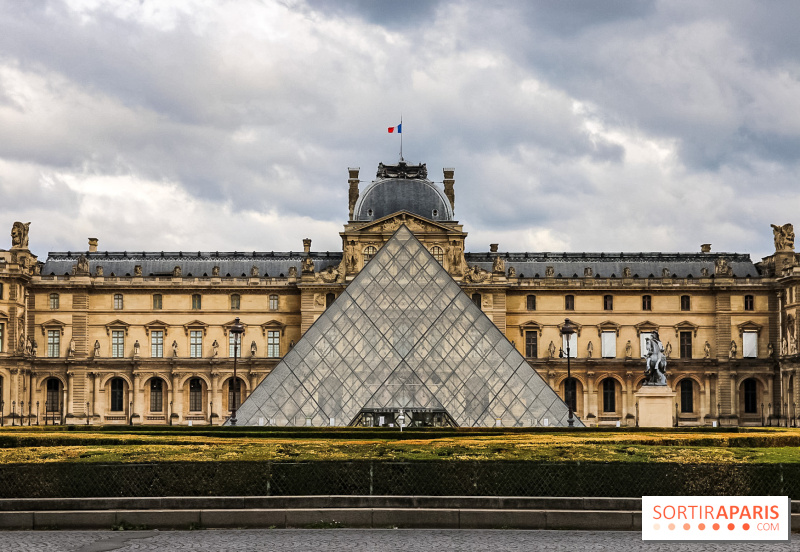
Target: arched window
(647, 302)
(117, 394)
(369, 252)
(438, 254)
(195, 395)
(749, 303)
(609, 397)
(117, 301)
(236, 301)
(569, 302)
(608, 302)
(750, 396)
(53, 397)
(687, 396)
(570, 393)
(234, 394)
(476, 298)
(156, 395)
(530, 302)
(329, 299)
(54, 301)
(686, 303)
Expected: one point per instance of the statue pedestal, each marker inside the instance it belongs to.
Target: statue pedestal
(656, 406)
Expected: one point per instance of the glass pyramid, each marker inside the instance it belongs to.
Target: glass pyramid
(403, 335)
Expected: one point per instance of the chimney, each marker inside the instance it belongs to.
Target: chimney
(307, 245)
(449, 187)
(705, 248)
(493, 247)
(92, 245)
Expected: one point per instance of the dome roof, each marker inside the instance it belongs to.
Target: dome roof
(394, 191)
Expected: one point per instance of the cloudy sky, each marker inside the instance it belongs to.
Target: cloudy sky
(572, 126)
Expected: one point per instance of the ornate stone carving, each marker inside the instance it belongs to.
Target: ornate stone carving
(626, 272)
(589, 350)
(98, 271)
(136, 349)
(174, 349)
(628, 349)
(512, 272)
(71, 349)
(722, 268)
(784, 237)
(476, 275)
(668, 349)
(393, 224)
(137, 271)
(319, 299)
(549, 272)
(177, 272)
(588, 272)
(402, 170)
(499, 265)
(215, 349)
(551, 350)
(732, 351)
(308, 265)
(329, 274)
(19, 235)
(707, 350)
(292, 272)
(665, 273)
(253, 348)
(215, 272)
(96, 350)
(82, 266)
(770, 350)
(655, 362)
(254, 271)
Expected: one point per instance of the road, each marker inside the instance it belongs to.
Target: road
(354, 540)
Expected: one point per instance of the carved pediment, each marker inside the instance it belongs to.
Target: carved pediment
(749, 326)
(157, 325)
(607, 326)
(574, 324)
(414, 222)
(117, 325)
(53, 324)
(196, 325)
(645, 327)
(227, 327)
(273, 325)
(686, 326)
(530, 326)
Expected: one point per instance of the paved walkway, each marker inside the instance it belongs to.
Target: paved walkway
(355, 540)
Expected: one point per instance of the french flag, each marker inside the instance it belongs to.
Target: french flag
(398, 129)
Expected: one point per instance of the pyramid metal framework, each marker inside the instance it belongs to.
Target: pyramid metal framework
(403, 335)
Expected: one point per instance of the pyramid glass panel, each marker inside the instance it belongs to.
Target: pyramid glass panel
(404, 337)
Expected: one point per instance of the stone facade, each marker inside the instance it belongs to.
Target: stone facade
(121, 337)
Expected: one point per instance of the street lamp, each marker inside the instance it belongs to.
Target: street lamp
(237, 330)
(567, 330)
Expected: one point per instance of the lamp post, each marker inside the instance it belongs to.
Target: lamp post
(567, 330)
(237, 330)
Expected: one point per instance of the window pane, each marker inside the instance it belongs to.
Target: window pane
(750, 397)
(156, 396)
(643, 337)
(2, 338)
(53, 397)
(687, 398)
(685, 303)
(750, 344)
(608, 302)
(117, 394)
(686, 344)
(273, 344)
(234, 395)
(438, 253)
(117, 344)
(157, 301)
(531, 302)
(569, 302)
(54, 300)
(157, 344)
(531, 344)
(476, 298)
(273, 302)
(195, 395)
(609, 344)
(647, 302)
(196, 302)
(53, 343)
(231, 342)
(196, 344)
(609, 400)
(235, 301)
(573, 345)
(749, 303)
(117, 301)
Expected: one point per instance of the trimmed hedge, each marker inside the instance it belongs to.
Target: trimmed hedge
(443, 478)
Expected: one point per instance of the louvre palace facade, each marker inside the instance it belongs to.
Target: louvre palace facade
(110, 337)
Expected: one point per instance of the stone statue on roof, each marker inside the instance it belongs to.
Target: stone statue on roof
(19, 235)
(784, 237)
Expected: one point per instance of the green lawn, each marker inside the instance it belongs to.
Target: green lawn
(165, 444)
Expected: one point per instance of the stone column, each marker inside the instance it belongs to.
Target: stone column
(64, 406)
(771, 400)
(734, 395)
(215, 403)
(626, 399)
(97, 408)
(70, 394)
(592, 406)
(137, 397)
(177, 398)
(705, 406)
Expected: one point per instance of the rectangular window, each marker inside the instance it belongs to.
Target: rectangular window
(273, 344)
(117, 344)
(749, 303)
(608, 342)
(2, 337)
(53, 343)
(686, 344)
(531, 344)
(531, 302)
(573, 345)
(196, 344)
(686, 303)
(157, 302)
(157, 344)
(647, 302)
(569, 302)
(750, 344)
(643, 337)
(236, 301)
(196, 301)
(54, 301)
(231, 341)
(273, 302)
(476, 298)
(608, 302)
(117, 301)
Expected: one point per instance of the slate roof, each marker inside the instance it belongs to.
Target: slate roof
(606, 265)
(198, 263)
